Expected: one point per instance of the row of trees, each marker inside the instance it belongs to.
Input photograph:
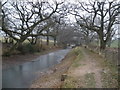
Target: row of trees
(24, 19)
(99, 17)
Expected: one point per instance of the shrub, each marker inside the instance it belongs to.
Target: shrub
(37, 47)
(26, 48)
(6, 54)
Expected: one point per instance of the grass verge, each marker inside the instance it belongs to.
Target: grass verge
(71, 81)
(89, 80)
(79, 54)
(110, 75)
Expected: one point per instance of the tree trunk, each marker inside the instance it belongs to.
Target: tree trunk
(36, 40)
(109, 44)
(47, 40)
(32, 40)
(6, 40)
(102, 41)
(102, 45)
(11, 41)
(47, 37)
(40, 42)
(16, 45)
(54, 41)
(12, 49)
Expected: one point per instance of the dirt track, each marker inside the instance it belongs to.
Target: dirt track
(91, 71)
(88, 64)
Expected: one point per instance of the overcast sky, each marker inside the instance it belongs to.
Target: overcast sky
(70, 17)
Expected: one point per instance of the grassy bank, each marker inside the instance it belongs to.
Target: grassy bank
(110, 75)
(71, 81)
(89, 70)
(27, 48)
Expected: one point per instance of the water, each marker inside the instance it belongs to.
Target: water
(21, 76)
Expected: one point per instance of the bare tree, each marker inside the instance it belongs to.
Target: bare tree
(57, 19)
(68, 35)
(24, 17)
(100, 17)
(88, 36)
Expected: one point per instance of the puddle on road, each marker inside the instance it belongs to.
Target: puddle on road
(21, 76)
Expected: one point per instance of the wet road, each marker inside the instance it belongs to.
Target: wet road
(22, 76)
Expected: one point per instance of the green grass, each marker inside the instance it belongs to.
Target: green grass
(1, 39)
(70, 82)
(76, 64)
(79, 54)
(26, 41)
(89, 80)
(110, 77)
(115, 44)
(28, 48)
(109, 81)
